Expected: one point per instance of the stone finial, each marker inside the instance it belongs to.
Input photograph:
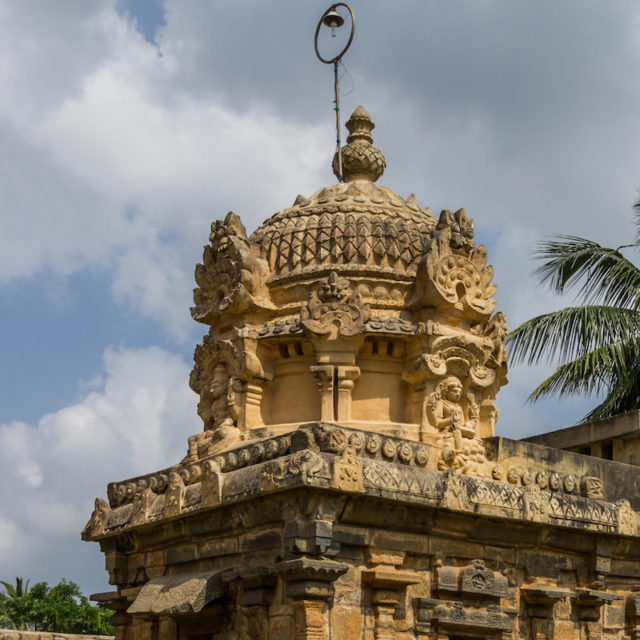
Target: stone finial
(360, 159)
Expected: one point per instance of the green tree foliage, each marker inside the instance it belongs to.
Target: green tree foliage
(61, 608)
(597, 342)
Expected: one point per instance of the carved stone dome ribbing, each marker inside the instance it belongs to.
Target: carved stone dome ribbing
(352, 223)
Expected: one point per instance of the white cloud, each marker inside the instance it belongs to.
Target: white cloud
(137, 422)
(128, 172)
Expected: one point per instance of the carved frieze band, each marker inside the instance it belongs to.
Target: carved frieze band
(354, 461)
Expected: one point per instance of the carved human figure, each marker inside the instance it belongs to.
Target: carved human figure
(220, 412)
(220, 398)
(461, 449)
(443, 407)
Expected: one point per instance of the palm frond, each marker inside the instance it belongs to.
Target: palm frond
(571, 333)
(623, 395)
(20, 589)
(604, 275)
(602, 369)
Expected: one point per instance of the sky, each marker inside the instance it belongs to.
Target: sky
(127, 126)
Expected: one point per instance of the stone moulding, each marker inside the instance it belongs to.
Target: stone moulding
(333, 458)
(457, 618)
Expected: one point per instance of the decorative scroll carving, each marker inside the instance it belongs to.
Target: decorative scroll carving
(474, 579)
(591, 487)
(534, 504)
(334, 309)
(454, 272)
(495, 330)
(232, 276)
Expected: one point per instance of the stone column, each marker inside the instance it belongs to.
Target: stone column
(388, 593)
(587, 607)
(325, 375)
(309, 583)
(167, 628)
(539, 602)
(253, 402)
(346, 377)
(255, 600)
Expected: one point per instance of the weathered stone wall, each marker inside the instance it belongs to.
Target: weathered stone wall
(344, 530)
(11, 634)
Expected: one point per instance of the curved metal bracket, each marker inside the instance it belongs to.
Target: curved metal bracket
(320, 23)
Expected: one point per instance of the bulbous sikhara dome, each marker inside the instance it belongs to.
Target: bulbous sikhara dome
(354, 306)
(355, 225)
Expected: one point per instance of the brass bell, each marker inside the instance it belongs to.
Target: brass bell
(333, 20)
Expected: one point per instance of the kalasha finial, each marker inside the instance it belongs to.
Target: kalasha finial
(360, 159)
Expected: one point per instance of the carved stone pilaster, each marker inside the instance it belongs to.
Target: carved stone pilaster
(167, 628)
(335, 383)
(256, 595)
(345, 379)
(309, 583)
(587, 603)
(388, 593)
(539, 602)
(635, 617)
(325, 375)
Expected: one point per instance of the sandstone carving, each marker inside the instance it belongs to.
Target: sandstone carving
(347, 481)
(219, 389)
(231, 278)
(98, 521)
(347, 472)
(334, 309)
(454, 272)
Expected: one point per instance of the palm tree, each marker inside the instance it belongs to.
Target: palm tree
(598, 341)
(14, 605)
(21, 589)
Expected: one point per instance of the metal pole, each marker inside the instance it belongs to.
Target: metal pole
(337, 101)
(335, 61)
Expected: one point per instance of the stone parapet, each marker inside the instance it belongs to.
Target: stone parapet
(325, 456)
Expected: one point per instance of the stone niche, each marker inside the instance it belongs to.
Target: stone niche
(347, 481)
